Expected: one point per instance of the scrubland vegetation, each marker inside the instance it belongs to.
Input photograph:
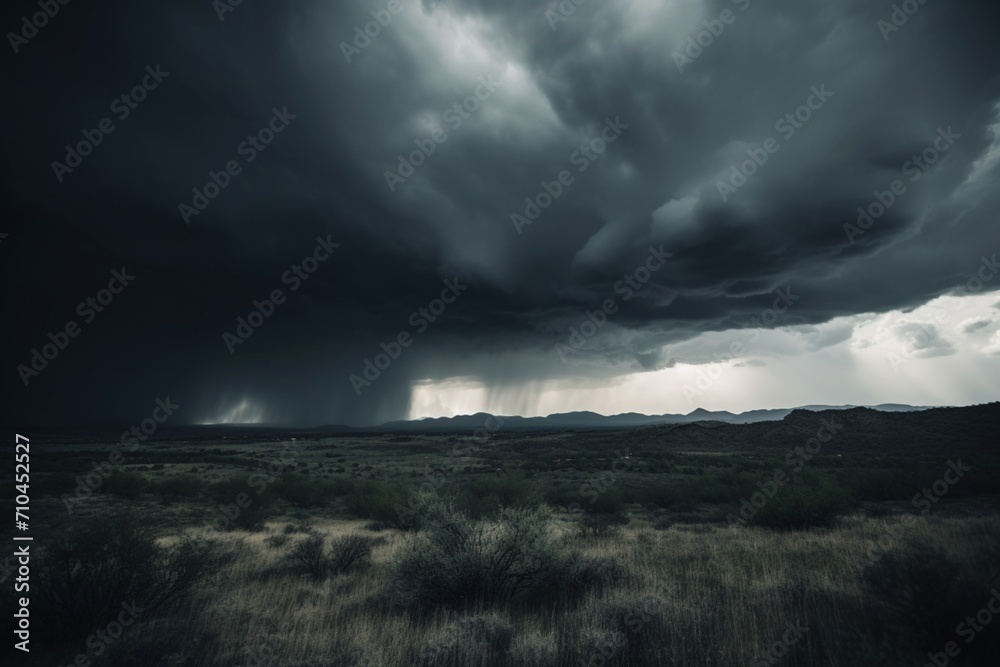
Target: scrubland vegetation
(556, 549)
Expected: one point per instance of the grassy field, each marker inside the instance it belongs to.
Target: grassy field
(663, 546)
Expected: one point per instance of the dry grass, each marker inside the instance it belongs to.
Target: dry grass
(695, 595)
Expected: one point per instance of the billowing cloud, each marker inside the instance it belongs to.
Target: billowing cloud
(974, 324)
(993, 346)
(807, 173)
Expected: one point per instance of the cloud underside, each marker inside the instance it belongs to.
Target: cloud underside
(800, 153)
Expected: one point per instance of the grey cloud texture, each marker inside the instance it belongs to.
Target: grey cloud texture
(656, 183)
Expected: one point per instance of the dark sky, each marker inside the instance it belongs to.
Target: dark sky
(677, 119)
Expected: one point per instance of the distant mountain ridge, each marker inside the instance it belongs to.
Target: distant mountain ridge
(594, 420)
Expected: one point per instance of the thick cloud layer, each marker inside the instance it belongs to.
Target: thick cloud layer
(630, 127)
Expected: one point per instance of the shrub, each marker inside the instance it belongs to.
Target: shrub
(535, 649)
(84, 578)
(727, 486)
(311, 556)
(883, 484)
(562, 496)
(472, 640)
(630, 631)
(377, 500)
(186, 486)
(277, 541)
(584, 574)
(125, 484)
(230, 492)
(486, 497)
(170, 641)
(813, 501)
(349, 550)
(304, 491)
(458, 561)
(55, 484)
(603, 524)
(226, 490)
(609, 501)
(929, 593)
(252, 518)
(658, 495)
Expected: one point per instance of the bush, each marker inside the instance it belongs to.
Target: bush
(657, 495)
(230, 492)
(459, 562)
(481, 639)
(813, 501)
(250, 518)
(882, 484)
(125, 484)
(84, 578)
(603, 524)
(609, 501)
(185, 486)
(486, 497)
(277, 541)
(590, 573)
(227, 490)
(727, 486)
(562, 496)
(306, 491)
(631, 630)
(929, 593)
(377, 501)
(54, 484)
(311, 556)
(350, 550)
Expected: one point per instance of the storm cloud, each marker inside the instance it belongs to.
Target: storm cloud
(788, 147)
